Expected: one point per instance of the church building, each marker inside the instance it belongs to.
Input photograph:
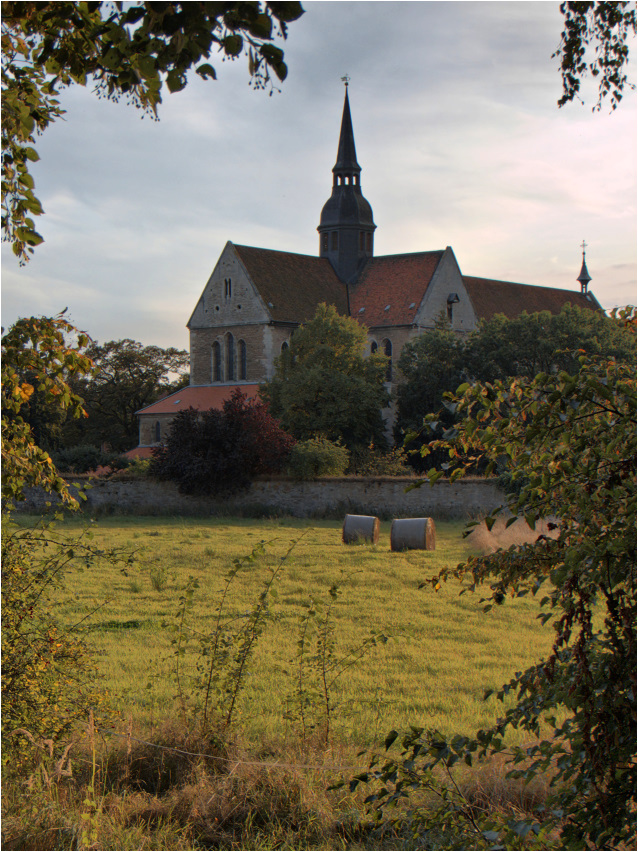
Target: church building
(255, 298)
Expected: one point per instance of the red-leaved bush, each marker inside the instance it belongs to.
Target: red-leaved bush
(221, 452)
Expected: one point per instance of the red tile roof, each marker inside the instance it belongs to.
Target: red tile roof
(201, 397)
(504, 297)
(391, 288)
(292, 285)
(139, 453)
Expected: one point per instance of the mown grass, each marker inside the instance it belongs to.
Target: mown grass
(442, 652)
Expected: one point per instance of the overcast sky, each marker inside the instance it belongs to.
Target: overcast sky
(457, 133)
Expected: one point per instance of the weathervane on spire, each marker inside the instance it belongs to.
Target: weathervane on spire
(345, 80)
(584, 276)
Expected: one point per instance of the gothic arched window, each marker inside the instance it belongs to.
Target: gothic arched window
(230, 358)
(373, 347)
(158, 432)
(387, 350)
(243, 360)
(217, 362)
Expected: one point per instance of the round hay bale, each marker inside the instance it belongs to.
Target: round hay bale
(358, 528)
(413, 534)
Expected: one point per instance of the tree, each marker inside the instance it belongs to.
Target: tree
(220, 452)
(429, 365)
(606, 27)
(133, 52)
(46, 671)
(128, 376)
(323, 384)
(37, 358)
(438, 362)
(570, 442)
(544, 342)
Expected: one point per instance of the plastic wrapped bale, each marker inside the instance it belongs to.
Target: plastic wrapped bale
(361, 528)
(413, 534)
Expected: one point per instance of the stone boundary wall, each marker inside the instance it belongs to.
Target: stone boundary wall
(329, 496)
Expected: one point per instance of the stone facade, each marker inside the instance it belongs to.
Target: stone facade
(255, 298)
(153, 430)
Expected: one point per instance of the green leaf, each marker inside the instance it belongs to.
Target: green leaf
(175, 81)
(206, 71)
(233, 44)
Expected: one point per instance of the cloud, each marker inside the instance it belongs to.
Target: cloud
(457, 132)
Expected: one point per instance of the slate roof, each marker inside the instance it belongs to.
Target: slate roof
(292, 285)
(399, 281)
(504, 297)
(201, 397)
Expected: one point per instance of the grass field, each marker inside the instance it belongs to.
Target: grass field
(441, 654)
(157, 779)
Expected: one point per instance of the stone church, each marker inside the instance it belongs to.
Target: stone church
(255, 298)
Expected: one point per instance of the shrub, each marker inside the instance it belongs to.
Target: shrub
(85, 458)
(570, 444)
(138, 468)
(370, 461)
(221, 452)
(47, 673)
(317, 457)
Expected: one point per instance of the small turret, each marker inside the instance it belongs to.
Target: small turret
(346, 227)
(584, 276)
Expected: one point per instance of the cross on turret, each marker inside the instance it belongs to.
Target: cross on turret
(584, 276)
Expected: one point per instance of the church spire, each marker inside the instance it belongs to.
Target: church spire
(346, 227)
(347, 154)
(584, 276)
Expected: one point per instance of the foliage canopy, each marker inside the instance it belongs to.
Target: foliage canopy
(439, 361)
(47, 672)
(37, 358)
(570, 444)
(128, 376)
(220, 452)
(133, 50)
(323, 384)
(606, 27)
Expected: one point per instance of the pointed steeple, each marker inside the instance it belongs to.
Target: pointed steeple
(347, 154)
(346, 227)
(584, 276)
